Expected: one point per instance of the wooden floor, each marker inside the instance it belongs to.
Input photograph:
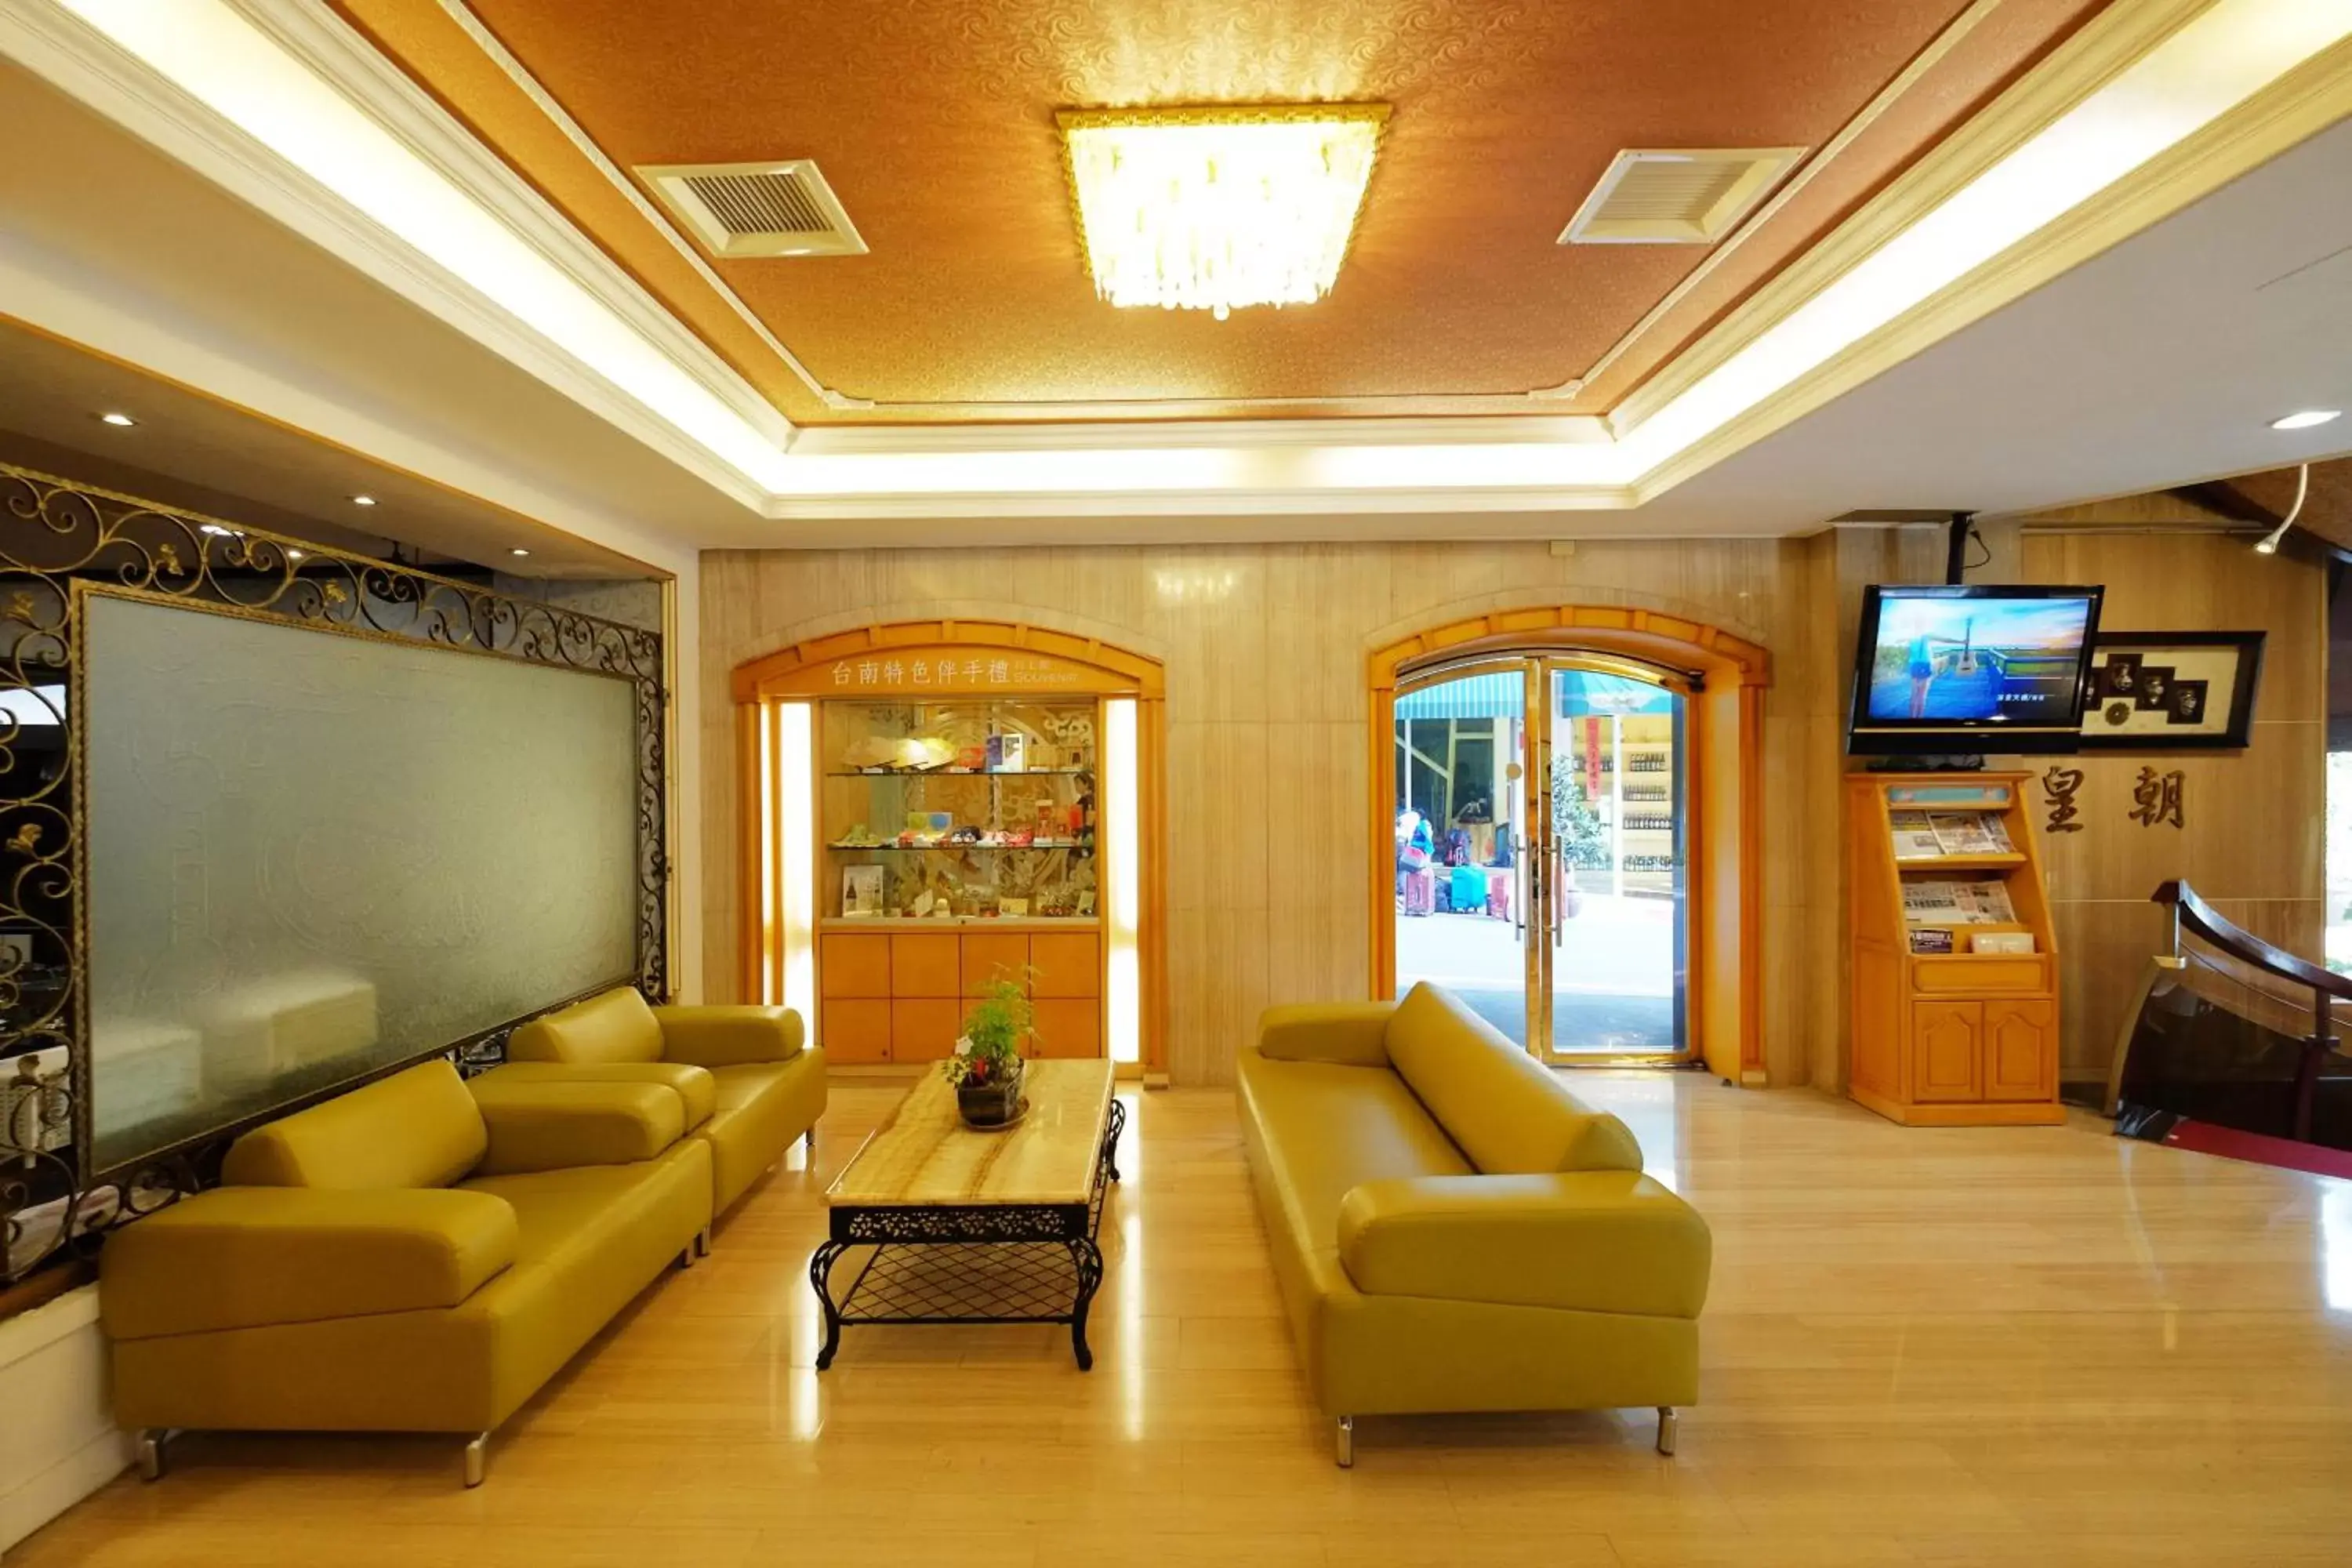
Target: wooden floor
(2028, 1346)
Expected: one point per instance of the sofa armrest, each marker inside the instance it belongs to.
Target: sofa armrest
(1593, 1241)
(1353, 1034)
(244, 1258)
(551, 1124)
(729, 1037)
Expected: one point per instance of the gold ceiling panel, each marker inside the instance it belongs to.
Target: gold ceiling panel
(934, 123)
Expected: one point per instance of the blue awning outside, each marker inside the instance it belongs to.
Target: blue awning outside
(1580, 693)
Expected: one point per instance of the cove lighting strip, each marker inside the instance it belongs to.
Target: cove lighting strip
(1123, 880)
(2227, 53)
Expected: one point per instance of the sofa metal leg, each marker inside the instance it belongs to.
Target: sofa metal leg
(685, 1254)
(1667, 1423)
(150, 1441)
(808, 1142)
(1346, 1451)
(477, 1456)
(703, 1242)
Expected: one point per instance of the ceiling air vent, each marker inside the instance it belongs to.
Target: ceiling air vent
(1692, 197)
(756, 209)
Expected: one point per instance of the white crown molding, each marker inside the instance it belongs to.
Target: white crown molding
(1332, 469)
(335, 51)
(1369, 404)
(1335, 507)
(2106, 46)
(1233, 435)
(2314, 96)
(532, 88)
(1919, 65)
(88, 66)
(52, 295)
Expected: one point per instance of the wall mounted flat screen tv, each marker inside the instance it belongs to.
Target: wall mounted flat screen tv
(1961, 669)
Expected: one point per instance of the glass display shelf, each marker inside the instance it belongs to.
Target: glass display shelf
(1075, 847)
(898, 777)
(922, 773)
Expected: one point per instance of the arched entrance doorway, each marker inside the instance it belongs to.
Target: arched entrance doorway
(1565, 831)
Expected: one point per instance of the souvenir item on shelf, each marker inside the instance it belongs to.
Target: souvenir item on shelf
(861, 891)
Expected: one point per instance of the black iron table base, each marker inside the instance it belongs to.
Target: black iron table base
(970, 1263)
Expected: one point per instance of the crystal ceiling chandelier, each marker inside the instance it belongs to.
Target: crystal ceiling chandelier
(1219, 208)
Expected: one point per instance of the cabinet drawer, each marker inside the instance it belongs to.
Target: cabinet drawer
(852, 1032)
(1069, 963)
(992, 955)
(1068, 1028)
(924, 1030)
(926, 964)
(854, 965)
(1972, 974)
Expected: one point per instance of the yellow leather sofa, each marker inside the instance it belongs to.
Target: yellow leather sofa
(750, 1082)
(1452, 1230)
(420, 1255)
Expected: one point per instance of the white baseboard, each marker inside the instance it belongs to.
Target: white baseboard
(58, 1442)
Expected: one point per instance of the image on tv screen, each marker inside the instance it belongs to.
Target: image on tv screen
(1954, 660)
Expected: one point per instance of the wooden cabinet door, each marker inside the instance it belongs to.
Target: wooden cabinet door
(2021, 1050)
(853, 1031)
(1947, 1051)
(1068, 1028)
(992, 955)
(854, 965)
(1069, 963)
(924, 1030)
(926, 964)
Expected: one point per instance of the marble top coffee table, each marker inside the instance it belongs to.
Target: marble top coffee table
(964, 1226)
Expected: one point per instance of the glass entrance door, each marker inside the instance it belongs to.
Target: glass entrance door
(1461, 840)
(1551, 898)
(1617, 949)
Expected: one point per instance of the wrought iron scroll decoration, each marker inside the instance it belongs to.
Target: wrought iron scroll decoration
(54, 532)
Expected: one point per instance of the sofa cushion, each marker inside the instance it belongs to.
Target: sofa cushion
(547, 1124)
(762, 1106)
(1352, 1033)
(246, 1256)
(416, 1128)
(1593, 1241)
(589, 1239)
(694, 1086)
(1507, 1112)
(614, 1026)
(730, 1035)
(1328, 1126)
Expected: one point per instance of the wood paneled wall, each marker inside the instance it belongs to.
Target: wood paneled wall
(1265, 649)
(2255, 820)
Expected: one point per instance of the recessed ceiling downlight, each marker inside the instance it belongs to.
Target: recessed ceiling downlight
(364, 500)
(117, 419)
(2304, 419)
(518, 550)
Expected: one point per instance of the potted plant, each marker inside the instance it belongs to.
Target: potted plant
(986, 1068)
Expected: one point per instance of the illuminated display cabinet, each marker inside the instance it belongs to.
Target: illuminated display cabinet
(945, 805)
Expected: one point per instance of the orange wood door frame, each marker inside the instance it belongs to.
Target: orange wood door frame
(1061, 665)
(1725, 792)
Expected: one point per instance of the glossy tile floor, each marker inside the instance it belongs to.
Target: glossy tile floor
(2029, 1346)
